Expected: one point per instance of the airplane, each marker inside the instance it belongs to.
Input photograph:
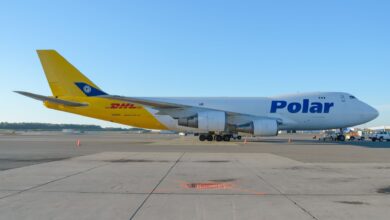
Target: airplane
(213, 118)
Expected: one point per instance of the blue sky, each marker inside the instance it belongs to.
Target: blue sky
(197, 48)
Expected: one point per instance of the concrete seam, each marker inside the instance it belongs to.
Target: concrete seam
(37, 164)
(281, 193)
(206, 194)
(52, 181)
(154, 189)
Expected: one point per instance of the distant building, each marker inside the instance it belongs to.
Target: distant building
(167, 132)
(138, 131)
(380, 128)
(71, 131)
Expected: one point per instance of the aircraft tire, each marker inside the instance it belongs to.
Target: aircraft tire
(218, 138)
(209, 137)
(202, 137)
(226, 138)
(341, 138)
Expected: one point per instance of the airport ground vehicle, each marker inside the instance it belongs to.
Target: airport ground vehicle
(332, 136)
(214, 118)
(380, 136)
(328, 136)
(354, 136)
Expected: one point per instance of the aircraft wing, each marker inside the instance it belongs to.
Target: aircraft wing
(178, 110)
(150, 103)
(51, 99)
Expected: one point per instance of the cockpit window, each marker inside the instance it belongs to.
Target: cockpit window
(352, 97)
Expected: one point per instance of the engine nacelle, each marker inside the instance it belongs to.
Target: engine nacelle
(212, 121)
(206, 121)
(261, 127)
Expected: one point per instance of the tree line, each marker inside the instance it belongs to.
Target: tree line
(55, 127)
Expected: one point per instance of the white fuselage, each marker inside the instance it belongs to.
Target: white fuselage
(306, 111)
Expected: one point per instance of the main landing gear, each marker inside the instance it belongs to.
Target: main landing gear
(217, 137)
(207, 137)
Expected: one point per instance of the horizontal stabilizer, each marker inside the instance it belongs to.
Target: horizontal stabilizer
(51, 99)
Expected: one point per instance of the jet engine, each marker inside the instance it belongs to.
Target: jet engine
(261, 127)
(205, 121)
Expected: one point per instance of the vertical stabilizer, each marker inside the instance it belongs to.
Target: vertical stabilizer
(64, 79)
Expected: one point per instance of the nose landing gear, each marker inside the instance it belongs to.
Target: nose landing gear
(341, 136)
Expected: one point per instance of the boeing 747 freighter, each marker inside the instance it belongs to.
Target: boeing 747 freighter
(214, 118)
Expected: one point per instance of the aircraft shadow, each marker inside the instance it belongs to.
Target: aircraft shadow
(368, 144)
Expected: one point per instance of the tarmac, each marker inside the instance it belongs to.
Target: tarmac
(150, 176)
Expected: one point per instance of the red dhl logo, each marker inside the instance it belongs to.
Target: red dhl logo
(122, 106)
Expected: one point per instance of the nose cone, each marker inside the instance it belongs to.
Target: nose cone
(371, 113)
(374, 113)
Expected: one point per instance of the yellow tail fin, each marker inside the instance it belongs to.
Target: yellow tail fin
(64, 79)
